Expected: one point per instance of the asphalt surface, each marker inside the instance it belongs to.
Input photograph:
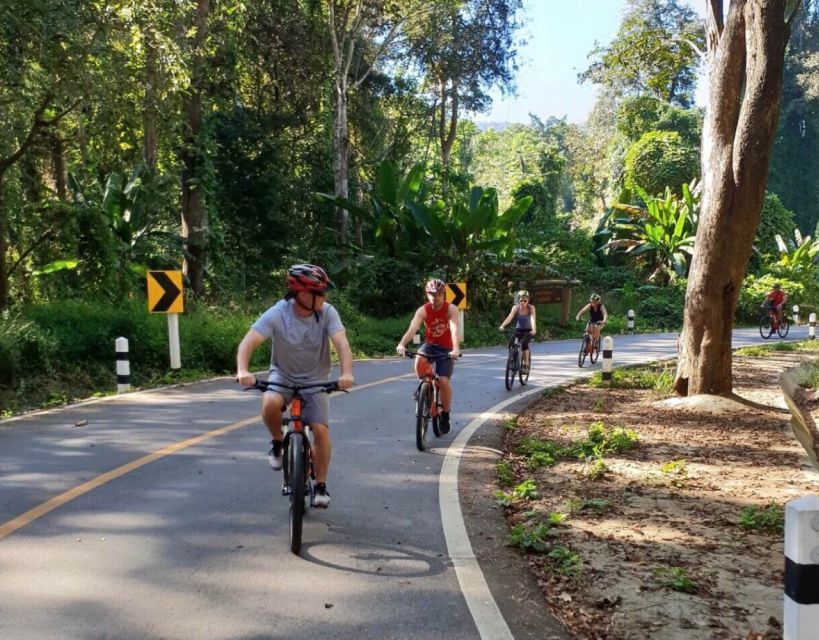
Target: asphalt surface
(193, 541)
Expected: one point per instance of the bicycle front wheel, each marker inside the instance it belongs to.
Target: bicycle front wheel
(584, 350)
(436, 415)
(783, 327)
(765, 328)
(523, 377)
(422, 409)
(595, 352)
(298, 480)
(510, 369)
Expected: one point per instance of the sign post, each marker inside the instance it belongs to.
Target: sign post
(165, 296)
(456, 294)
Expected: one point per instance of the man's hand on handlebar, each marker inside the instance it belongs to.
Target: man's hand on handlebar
(245, 378)
(455, 354)
(345, 381)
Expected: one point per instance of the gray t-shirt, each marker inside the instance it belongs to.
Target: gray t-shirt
(301, 347)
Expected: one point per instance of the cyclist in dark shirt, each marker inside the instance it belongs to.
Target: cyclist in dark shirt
(597, 314)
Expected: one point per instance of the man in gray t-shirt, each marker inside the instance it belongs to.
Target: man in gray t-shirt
(301, 326)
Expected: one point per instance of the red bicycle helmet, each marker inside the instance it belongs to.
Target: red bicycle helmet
(308, 277)
(435, 286)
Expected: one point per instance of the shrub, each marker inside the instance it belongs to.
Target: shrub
(660, 159)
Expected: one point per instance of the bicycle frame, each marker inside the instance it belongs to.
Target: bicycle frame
(428, 383)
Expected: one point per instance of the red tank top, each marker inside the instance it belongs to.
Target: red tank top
(437, 326)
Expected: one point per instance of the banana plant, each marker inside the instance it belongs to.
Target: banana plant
(664, 229)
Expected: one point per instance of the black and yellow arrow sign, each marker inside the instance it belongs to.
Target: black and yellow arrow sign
(165, 292)
(456, 294)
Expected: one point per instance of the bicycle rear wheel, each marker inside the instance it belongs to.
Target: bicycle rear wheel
(584, 350)
(298, 480)
(783, 327)
(422, 408)
(523, 377)
(595, 352)
(510, 368)
(765, 328)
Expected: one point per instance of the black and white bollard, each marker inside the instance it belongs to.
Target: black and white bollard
(123, 365)
(801, 615)
(608, 348)
(812, 326)
(796, 314)
(630, 320)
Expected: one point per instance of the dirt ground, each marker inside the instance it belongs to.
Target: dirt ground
(654, 547)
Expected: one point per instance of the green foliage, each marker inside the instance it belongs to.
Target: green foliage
(532, 539)
(665, 230)
(763, 350)
(596, 469)
(601, 441)
(774, 220)
(526, 490)
(592, 504)
(659, 380)
(675, 579)
(677, 470)
(660, 160)
(505, 472)
(538, 453)
(564, 561)
(770, 518)
(754, 289)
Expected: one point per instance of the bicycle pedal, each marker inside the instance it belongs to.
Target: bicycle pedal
(286, 490)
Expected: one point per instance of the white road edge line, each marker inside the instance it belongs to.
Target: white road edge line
(485, 612)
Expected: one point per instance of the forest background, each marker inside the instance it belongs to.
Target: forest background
(233, 138)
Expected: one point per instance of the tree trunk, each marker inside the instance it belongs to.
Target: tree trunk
(194, 209)
(4, 277)
(447, 133)
(341, 162)
(58, 166)
(747, 59)
(149, 105)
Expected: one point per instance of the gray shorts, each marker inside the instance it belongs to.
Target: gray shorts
(443, 366)
(315, 404)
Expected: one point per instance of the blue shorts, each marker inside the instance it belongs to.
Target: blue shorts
(442, 366)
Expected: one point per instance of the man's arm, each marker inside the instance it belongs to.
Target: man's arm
(345, 359)
(454, 318)
(414, 325)
(252, 340)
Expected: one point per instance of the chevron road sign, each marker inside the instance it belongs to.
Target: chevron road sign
(165, 292)
(456, 294)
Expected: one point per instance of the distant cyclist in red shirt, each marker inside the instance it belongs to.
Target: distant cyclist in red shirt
(775, 300)
(440, 338)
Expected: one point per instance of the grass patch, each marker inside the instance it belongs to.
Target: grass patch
(505, 472)
(770, 518)
(532, 539)
(538, 453)
(675, 579)
(602, 440)
(564, 561)
(678, 470)
(762, 350)
(658, 380)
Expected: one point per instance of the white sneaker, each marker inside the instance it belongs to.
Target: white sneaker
(321, 499)
(274, 456)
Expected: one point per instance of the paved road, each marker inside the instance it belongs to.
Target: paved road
(160, 518)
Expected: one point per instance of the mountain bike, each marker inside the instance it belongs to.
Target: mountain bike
(768, 324)
(427, 398)
(590, 346)
(514, 362)
(298, 470)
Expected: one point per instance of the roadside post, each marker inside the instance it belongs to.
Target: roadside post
(165, 296)
(630, 320)
(123, 365)
(608, 349)
(812, 326)
(796, 314)
(456, 294)
(801, 610)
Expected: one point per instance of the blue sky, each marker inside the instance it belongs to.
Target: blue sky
(559, 37)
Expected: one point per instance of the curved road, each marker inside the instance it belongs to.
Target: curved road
(155, 514)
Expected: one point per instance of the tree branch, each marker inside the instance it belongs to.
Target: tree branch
(714, 23)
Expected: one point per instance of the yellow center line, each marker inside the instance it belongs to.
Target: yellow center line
(42, 509)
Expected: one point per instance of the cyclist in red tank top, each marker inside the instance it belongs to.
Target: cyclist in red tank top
(440, 337)
(775, 299)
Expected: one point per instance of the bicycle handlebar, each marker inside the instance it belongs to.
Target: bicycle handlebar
(412, 354)
(326, 387)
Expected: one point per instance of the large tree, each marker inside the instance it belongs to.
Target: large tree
(746, 51)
